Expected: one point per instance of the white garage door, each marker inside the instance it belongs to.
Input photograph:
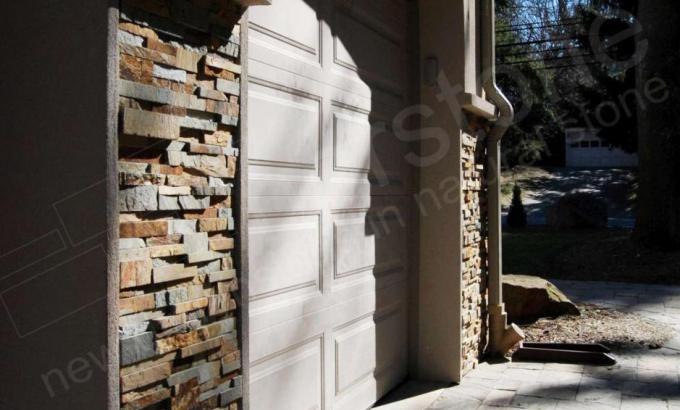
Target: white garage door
(329, 218)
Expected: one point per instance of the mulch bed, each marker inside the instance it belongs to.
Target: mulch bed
(617, 330)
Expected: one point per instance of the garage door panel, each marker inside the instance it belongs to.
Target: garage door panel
(284, 254)
(273, 76)
(372, 242)
(280, 337)
(356, 343)
(390, 171)
(260, 206)
(328, 279)
(360, 289)
(289, 141)
(367, 392)
(391, 332)
(354, 353)
(272, 28)
(290, 325)
(387, 16)
(388, 226)
(293, 377)
(392, 153)
(375, 57)
(388, 105)
(342, 203)
(351, 141)
(292, 58)
(263, 184)
(382, 296)
(353, 245)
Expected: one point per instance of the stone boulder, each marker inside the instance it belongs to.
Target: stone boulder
(529, 298)
(578, 209)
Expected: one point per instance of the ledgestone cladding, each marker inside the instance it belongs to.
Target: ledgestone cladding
(179, 116)
(474, 269)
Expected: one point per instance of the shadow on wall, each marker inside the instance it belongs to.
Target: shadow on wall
(386, 61)
(368, 188)
(54, 256)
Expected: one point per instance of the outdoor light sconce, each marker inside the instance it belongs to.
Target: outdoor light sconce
(431, 71)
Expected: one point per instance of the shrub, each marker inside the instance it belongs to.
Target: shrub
(578, 209)
(517, 216)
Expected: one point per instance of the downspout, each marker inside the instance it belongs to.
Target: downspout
(502, 337)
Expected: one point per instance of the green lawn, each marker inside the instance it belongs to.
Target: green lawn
(600, 255)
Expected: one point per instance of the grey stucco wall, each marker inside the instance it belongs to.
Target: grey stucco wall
(57, 165)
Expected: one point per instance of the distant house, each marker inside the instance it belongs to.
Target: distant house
(584, 149)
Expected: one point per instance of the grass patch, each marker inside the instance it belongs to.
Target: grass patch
(506, 189)
(534, 250)
(596, 255)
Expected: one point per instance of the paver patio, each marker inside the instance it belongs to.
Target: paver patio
(646, 380)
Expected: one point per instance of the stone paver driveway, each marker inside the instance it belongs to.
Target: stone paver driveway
(644, 381)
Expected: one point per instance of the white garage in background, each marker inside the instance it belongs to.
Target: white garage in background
(584, 149)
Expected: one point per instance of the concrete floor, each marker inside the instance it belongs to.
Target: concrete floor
(646, 380)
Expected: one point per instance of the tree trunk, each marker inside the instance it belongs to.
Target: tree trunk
(658, 203)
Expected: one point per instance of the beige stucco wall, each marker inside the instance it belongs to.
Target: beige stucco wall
(451, 293)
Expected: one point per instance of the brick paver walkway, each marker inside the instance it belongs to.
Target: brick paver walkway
(644, 381)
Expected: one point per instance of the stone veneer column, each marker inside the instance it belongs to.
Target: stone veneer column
(474, 269)
(179, 120)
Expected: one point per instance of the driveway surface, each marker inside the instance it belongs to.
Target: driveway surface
(541, 188)
(646, 380)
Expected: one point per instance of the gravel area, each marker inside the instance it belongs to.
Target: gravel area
(615, 329)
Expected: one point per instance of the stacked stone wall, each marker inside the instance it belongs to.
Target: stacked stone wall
(179, 93)
(474, 269)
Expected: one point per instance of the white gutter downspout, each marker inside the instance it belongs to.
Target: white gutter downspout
(502, 337)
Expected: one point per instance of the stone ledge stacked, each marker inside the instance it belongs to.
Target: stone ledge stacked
(179, 114)
(474, 269)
